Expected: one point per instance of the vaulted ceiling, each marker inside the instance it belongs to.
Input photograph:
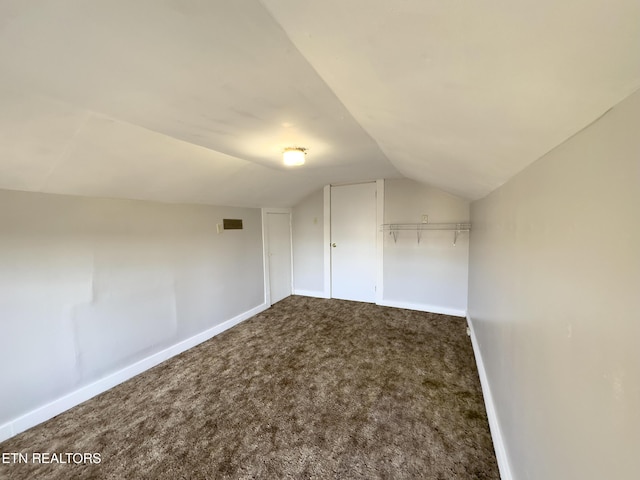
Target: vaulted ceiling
(194, 100)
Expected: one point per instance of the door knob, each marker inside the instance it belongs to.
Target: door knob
(333, 245)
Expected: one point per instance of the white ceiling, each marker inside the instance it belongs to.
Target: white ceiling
(193, 100)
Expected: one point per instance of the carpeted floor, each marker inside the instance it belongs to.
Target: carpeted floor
(310, 388)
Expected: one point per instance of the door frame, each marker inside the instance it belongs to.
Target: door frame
(379, 238)
(265, 250)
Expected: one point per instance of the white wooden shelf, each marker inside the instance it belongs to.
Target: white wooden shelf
(394, 228)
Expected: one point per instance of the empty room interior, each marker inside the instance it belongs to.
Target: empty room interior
(320, 239)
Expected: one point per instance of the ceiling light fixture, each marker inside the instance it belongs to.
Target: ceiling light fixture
(294, 156)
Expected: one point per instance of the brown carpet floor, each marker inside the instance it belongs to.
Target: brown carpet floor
(310, 388)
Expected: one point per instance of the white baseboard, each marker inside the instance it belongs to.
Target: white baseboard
(423, 308)
(5, 432)
(56, 407)
(494, 425)
(310, 293)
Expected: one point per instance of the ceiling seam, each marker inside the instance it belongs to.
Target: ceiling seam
(312, 67)
(65, 152)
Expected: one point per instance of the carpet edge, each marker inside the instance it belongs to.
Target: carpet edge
(423, 307)
(86, 392)
(494, 425)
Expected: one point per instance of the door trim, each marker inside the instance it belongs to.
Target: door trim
(327, 241)
(379, 241)
(265, 250)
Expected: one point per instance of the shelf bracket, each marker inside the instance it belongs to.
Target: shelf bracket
(457, 228)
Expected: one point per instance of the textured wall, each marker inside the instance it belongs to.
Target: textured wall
(89, 286)
(308, 244)
(432, 274)
(555, 300)
(429, 276)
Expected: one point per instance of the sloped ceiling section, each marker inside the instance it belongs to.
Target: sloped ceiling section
(193, 101)
(177, 101)
(463, 94)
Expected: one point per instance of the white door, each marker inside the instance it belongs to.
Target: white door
(353, 242)
(279, 255)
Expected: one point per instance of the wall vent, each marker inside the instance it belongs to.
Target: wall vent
(232, 224)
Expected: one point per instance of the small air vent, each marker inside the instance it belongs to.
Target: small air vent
(232, 224)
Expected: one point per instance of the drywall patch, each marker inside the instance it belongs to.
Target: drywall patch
(113, 332)
(86, 392)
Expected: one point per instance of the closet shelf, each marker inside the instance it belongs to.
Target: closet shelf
(394, 228)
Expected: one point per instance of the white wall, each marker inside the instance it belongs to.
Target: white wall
(308, 245)
(90, 286)
(555, 301)
(430, 275)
